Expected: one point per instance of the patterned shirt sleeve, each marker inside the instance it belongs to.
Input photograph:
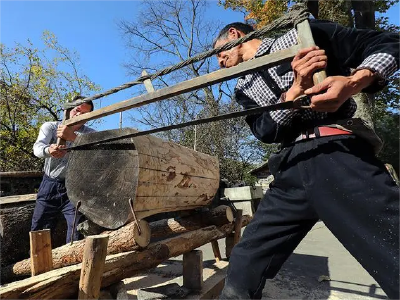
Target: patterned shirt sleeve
(283, 117)
(383, 64)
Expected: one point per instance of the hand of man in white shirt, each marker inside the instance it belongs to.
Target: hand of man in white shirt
(66, 133)
(57, 151)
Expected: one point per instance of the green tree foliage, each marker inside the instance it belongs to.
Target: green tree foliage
(34, 84)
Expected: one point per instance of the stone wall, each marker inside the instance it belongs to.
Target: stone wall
(19, 182)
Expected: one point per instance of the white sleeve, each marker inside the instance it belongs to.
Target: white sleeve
(42, 144)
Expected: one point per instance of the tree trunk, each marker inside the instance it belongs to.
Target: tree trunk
(313, 7)
(364, 108)
(63, 283)
(364, 18)
(122, 240)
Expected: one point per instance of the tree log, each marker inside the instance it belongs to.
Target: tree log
(15, 224)
(63, 283)
(122, 240)
(154, 175)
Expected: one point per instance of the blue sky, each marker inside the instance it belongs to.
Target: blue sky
(90, 28)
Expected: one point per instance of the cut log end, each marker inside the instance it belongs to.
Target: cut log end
(142, 238)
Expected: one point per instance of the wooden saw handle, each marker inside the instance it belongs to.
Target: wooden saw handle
(306, 40)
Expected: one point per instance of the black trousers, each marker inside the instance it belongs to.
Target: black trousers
(336, 179)
(51, 199)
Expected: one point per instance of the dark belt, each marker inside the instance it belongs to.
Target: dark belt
(320, 132)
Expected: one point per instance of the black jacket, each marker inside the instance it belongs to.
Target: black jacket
(346, 48)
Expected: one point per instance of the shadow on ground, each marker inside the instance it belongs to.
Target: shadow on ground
(308, 277)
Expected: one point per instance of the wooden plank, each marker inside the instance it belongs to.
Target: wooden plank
(193, 84)
(41, 255)
(193, 270)
(17, 199)
(247, 206)
(306, 40)
(20, 174)
(244, 193)
(94, 255)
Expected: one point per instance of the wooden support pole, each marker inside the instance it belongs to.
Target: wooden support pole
(217, 253)
(41, 255)
(92, 266)
(229, 244)
(233, 238)
(193, 270)
(238, 226)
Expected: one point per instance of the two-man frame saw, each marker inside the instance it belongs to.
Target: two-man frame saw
(305, 39)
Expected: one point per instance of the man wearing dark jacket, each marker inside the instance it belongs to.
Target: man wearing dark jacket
(325, 169)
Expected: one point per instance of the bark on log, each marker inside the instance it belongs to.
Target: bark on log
(122, 240)
(15, 224)
(63, 283)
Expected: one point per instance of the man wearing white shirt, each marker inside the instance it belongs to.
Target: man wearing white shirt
(52, 195)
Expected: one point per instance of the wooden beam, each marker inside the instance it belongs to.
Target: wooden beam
(17, 199)
(193, 270)
(233, 238)
(190, 85)
(20, 174)
(94, 256)
(41, 257)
